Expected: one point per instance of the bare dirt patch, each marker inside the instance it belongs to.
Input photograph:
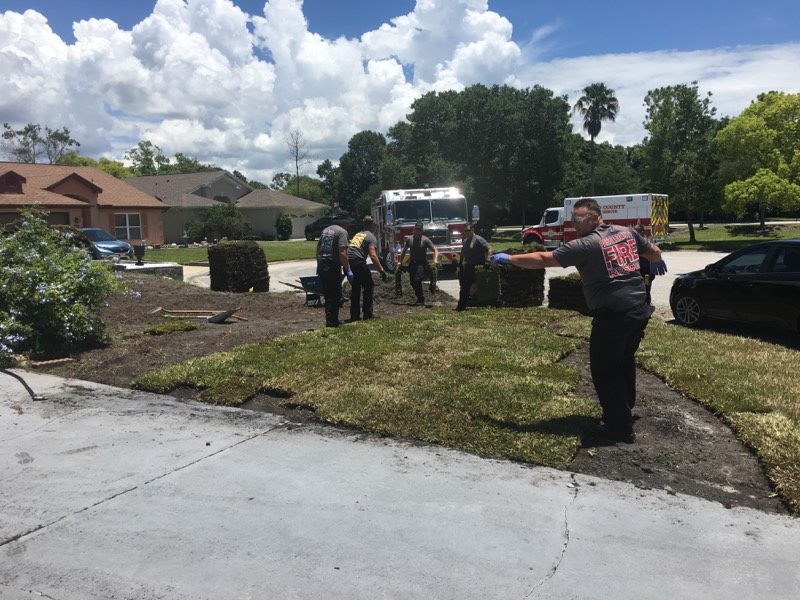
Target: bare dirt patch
(680, 446)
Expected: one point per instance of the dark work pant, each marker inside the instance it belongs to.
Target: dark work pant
(466, 278)
(331, 276)
(418, 272)
(612, 349)
(362, 282)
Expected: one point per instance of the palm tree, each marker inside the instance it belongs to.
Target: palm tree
(597, 104)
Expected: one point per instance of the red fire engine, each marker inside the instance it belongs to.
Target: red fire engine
(443, 212)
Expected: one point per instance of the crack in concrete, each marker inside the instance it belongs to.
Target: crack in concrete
(551, 573)
(40, 594)
(136, 487)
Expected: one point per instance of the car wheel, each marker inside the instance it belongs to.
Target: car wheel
(309, 236)
(531, 239)
(687, 311)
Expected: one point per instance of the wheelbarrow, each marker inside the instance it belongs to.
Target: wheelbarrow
(312, 286)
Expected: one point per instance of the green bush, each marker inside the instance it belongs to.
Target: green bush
(283, 226)
(48, 290)
(221, 221)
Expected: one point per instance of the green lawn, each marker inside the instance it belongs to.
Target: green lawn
(727, 238)
(489, 382)
(275, 251)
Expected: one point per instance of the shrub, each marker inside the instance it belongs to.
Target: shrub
(221, 221)
(283, 226)
(48, 290)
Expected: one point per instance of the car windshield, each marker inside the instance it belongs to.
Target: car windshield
(451, 209)
(411, 211)
(98, 235)
(550, 216)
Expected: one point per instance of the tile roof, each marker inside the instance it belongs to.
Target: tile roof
(115, 192)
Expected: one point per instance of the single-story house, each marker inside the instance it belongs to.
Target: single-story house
(187, 195)
(82, 197)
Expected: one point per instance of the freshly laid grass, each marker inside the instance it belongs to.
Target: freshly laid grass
(489, 382)
(486, 382)
(275, 251)
(751, 384)
(171, 326)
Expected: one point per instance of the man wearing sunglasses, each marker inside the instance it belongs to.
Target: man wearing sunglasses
(607, 258)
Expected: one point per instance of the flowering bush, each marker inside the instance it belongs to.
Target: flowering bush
(48, 290)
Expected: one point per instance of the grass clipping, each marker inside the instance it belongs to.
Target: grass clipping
(486, 382)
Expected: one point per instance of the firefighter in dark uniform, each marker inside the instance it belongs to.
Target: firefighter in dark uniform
(331, 259)
(361, 247)
(474, 253)
(607, 258)
(417, 247)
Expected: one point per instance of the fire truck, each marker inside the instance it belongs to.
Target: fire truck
(628, 210)
(443, 212)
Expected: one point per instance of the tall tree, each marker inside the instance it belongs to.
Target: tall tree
(360, 170)
(280, 181)
(296, 144)
(597, 104)
(29, 143)
(331, 181)
(147, 158)
(678, 152)
(760, 155)
(112, 167)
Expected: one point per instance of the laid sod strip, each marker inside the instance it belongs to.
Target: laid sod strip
(483, 381)
(752, 385)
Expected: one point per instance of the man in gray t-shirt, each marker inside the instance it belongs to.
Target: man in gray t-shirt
(331, 259)
(417, 247)
(474, 253)
(363, 246)
(607, 258)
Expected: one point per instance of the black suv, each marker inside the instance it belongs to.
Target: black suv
(313, 230)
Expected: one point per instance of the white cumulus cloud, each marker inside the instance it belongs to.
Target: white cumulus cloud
(204, 78)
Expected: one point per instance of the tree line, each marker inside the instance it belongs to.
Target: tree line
(513, 151)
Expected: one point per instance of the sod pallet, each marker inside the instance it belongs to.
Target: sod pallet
(567, 293)
(238, 267)
(504, 285)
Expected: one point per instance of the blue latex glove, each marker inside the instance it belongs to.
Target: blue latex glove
(501, 258)
(349, 276)
(658, 267)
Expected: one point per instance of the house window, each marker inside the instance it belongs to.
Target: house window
(127, 226)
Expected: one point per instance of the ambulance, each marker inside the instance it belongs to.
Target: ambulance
(628, 210)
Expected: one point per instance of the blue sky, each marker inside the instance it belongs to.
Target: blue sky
(203, 78)
(582, 27)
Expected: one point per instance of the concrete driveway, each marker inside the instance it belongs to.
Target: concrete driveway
(110, 493)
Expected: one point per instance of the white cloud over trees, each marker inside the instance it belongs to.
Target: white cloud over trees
(204, 78)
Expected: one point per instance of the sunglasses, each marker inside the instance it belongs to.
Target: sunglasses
(581, 218)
